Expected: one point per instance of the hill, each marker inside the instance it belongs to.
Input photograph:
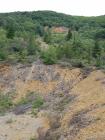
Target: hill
(22, 33)
(52, 77)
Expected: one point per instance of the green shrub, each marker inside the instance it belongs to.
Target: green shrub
(3, 55)
(32, 46)
(5, 103)
(69, 35)
(49, 56)
(32, 138)
(10, 32)
(31, 98)
(47, 36)
(38, 102)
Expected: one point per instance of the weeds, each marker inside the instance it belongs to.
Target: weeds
(31, 101)
(5, 103)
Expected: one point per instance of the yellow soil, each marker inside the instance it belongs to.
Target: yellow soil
(59, 29)
(4, 69)
(23, 88)
(90, 92)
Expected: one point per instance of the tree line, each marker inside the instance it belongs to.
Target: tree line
(83, 44)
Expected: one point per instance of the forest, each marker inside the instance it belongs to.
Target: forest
(26, 36)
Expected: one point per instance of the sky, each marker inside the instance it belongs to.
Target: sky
(71, 7)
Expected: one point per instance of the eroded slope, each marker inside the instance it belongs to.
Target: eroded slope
(74, 104)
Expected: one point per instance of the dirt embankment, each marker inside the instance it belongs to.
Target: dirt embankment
(74, 104)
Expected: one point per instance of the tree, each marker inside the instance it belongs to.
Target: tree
(96, 50)
(10, 27)
(100, 34)
(39, 30)
(69, 35)
(47, 36)
(10, 33)
(49, 56)
(97, 53)
(3, 54)
(32, 47)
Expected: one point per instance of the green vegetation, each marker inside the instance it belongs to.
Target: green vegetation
(31, 98)
(32, 138)
(38, 102)
(82, 45)
(49, 56)
(5, 103)
(69, 35)
(47, 36)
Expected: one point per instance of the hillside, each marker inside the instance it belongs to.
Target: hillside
(52, 76)
(22, 33)
(51, 18)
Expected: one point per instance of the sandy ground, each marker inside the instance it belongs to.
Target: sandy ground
(21, 127)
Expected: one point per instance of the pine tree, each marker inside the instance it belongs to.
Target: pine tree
(47, 36)
(96, 50)
(69, 35)
(10, 32)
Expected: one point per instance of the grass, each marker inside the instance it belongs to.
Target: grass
(32, 101)
(38, 102)
(5, 103)
(32, 138)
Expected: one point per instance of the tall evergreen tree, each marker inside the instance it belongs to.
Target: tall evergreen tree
(69, 35)
(10, 32)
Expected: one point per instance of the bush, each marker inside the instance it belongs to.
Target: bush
(47, 37)
(33, 99)
(5, 103)
(33, 46)
(38, 102)
(49, 56)
(3, 55)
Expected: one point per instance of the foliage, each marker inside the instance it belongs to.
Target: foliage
(69, 35)
(39, 30)
(3, 55)
(31, 98)
(83, 44)
(32, 47)
(10, 32)
(38, 102)
(100, 34)
(49, 56)
(5, 103)
(47, 36)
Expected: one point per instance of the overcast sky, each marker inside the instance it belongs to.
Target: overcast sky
(72, 7)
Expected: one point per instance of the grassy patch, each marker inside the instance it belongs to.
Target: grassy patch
(5, 103)
(31, 101)
(38, 102)
(32, 98)
(33, 138)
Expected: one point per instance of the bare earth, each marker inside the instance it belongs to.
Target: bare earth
(75, 99)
